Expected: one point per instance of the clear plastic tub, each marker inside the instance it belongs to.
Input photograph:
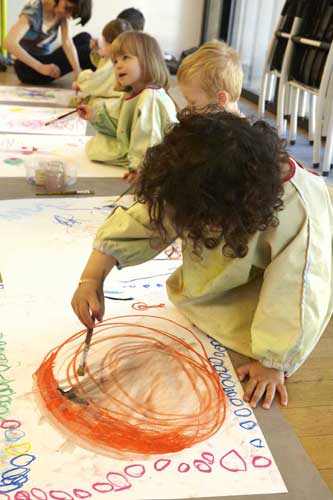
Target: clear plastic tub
(36, 167)
(55, 176)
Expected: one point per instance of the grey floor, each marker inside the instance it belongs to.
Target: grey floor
(301, 151)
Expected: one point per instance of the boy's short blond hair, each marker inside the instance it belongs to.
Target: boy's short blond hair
(147, 50)
(218, 67)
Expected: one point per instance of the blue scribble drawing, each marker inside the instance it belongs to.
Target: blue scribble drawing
(21, 212)
(66, 221)
(145, 285)
(17, 212)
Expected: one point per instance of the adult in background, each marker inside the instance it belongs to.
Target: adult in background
(30, 40)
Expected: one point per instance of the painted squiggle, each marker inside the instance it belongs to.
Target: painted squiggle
(147, 390)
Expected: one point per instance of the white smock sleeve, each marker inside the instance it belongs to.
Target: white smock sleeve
(106, 116)
(127, 235)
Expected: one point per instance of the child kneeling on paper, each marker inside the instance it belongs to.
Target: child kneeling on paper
(126, 127)
(257, 233)
(100, 83)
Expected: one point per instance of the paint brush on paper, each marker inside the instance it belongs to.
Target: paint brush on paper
(60, 117)
(82, 367)
(72, 396)
(117, 200)
(118, 298)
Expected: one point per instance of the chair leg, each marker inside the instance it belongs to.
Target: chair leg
(303, 104)
(271, 87)
(287, 102)
(328, 110)
(312, 117)
(294, 114)
(318, 128)
(329, 144)
(262, 96)
(280, 107)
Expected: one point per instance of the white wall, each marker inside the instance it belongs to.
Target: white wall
(175, 23)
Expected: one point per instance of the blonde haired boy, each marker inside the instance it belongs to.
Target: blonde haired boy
(212, 75)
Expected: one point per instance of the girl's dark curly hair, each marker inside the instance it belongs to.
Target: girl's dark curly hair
(219, 176)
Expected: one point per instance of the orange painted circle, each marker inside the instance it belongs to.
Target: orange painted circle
(149, 387)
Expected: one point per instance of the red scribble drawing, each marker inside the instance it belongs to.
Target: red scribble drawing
(183, 467)
(142, 306)
(208, 457)
(77, 492)
(202, 466)
(135, 470)
(233, 462)
(102, 487)
(161, 464)
(261, 462)
(149, 388)
(30, 120)
(35, 124)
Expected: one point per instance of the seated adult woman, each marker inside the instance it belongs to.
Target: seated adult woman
(30, 40)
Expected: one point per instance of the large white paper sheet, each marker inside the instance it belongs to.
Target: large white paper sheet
(41, 260)
(31, 120)
(35, 95)
(20, 151)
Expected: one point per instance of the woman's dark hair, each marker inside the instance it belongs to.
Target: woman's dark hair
(134, 17)
(219, 177)
(81, 10)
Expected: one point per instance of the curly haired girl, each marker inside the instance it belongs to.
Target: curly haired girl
(257, 233)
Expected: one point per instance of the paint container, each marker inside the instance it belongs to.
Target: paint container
(55, 176)
(36, 166)
(34, 171)
(70, 173)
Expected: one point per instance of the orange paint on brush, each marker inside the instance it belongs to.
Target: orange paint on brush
(116, 417)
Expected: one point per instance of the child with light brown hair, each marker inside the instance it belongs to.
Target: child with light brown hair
(212, 75)
(128, 126)
(100, 83)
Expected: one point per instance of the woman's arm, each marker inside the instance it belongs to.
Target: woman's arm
(69, 48)
(15, 34)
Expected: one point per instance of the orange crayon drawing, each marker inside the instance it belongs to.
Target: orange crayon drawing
(142, 306)
(149, 388)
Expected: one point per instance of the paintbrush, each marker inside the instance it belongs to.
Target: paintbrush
(60, 117)
(117, 200)
(81, 369)
(72, 396)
